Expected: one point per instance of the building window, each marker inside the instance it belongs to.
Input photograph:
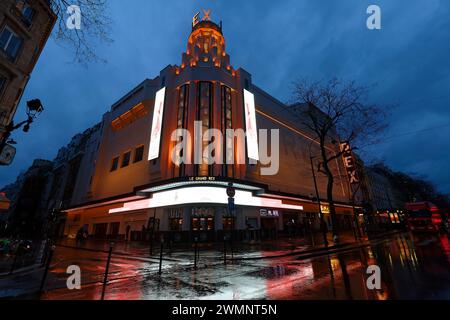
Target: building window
(228, 223)
(227, 123)
(115, 164)
(127, 118)
(2, 83)
(204, 114)
(138, 154)
(202, 224)
(27, 11)
(10, 43)
(175, 224)
(182, 106)
(183, 98)
(126, 159)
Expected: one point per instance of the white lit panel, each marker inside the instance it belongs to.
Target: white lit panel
(158, 112)
(250, 126)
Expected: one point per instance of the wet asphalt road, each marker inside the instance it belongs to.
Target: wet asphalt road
(412, 267)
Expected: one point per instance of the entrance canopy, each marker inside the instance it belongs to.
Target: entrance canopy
(202, 194)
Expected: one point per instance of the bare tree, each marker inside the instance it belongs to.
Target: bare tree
(336, 111)
(95, 27)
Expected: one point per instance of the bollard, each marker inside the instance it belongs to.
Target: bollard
(312, 237)
(47, 266)
(108, 261)
(152, 234)
(151, 245)
(13, 266)
(161, 255)
(231, 246)
(224, 250)
(195, 252)
(198, 253)
(354, 231)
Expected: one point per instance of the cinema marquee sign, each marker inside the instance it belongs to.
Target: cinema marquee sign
(349, 163)
(206, 17)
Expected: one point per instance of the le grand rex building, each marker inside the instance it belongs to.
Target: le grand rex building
(130, 184)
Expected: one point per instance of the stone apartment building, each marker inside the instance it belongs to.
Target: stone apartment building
(384, 193)
(28, 197)
(25, 26)
(49, 186)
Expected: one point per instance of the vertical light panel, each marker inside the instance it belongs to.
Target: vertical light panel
(250, 123)
(158, 112)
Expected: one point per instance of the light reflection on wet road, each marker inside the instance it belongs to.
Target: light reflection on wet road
(417, 268)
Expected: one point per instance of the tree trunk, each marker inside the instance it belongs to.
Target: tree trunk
(330, 185)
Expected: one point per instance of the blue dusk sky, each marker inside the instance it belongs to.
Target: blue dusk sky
(407, 62)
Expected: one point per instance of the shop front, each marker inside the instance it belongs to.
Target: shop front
(293, 223)
(176, 220)
(269, 223)
(202, 223)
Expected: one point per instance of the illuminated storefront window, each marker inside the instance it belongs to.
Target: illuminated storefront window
(204, 115)
(175, 224)
(227, 123)
(202, 224)
(228, 223)
(202, 219)
(175, 219)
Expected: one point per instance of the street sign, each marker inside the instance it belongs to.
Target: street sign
(268, 213)
(231, 192)
(7, 155)
(231, 205)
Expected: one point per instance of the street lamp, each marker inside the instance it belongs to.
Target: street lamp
(34, 108)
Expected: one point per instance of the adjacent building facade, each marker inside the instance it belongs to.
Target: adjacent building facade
(47, 187)
(25, 26)
(28, 195)
(134, 182)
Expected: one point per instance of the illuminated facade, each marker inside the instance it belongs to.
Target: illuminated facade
(135, 185)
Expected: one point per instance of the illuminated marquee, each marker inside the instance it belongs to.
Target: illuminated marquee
(158, 112)
(206, 17)
(250, 123)
(203, 194)
(349, 163)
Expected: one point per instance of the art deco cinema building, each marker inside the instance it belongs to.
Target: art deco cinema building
(128, 184)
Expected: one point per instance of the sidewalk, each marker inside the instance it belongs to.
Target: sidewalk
(25, 283)
(214, 251)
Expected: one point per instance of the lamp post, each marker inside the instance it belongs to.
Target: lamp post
(34, 108)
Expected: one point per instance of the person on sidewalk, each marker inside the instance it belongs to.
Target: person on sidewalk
(323, 226)
(127, 233)
(79, 237)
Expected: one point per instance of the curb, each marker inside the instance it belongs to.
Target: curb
(20, 271)
(315, 251)
(293, 253)
(298, 252)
